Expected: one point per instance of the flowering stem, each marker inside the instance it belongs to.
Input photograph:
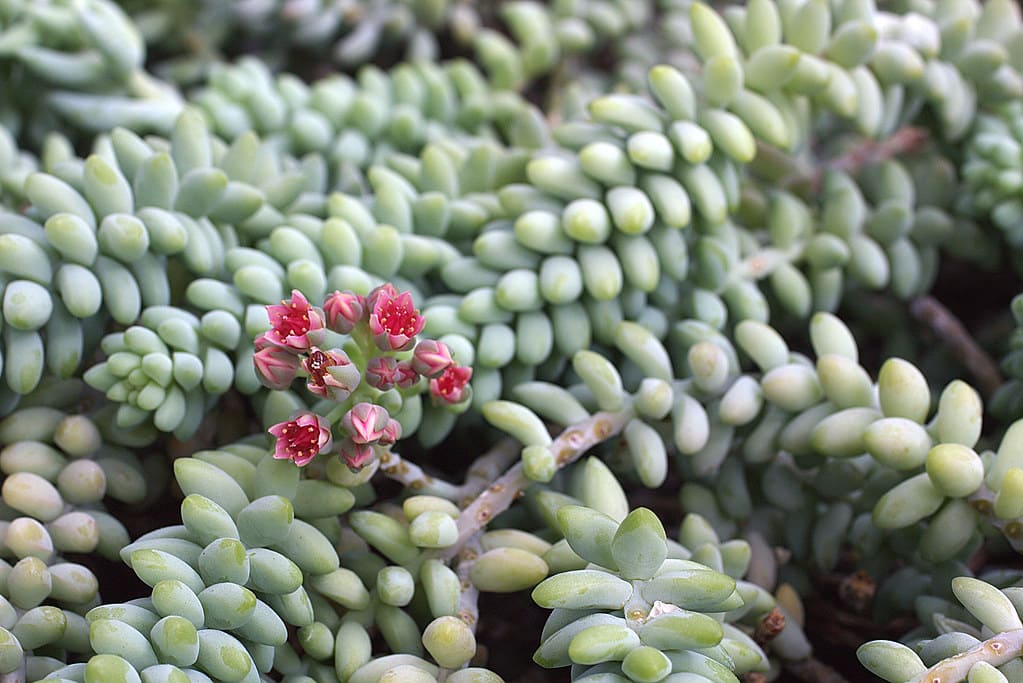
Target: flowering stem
(769, 627)
(498, 497)
(996, 651)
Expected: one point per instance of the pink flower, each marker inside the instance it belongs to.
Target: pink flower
(301, 439)
(355, 455)
(406, 375)
(431, 357)
(393, 320)
(386, 289)
(451, 386)
(331, 374)
(392, 432)
(344, 310)
(365, 422)
(295, 324)
(276, 366)
(382, 372)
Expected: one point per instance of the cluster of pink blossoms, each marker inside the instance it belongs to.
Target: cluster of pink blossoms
(293, 342)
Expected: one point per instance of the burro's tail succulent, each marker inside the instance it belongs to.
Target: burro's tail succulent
(417, 341)
(646, 608)
(987, 647)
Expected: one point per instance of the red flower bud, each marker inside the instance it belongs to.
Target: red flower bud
(382, 372)
(392, 432)
(355, 455)
(406, 376)
(365, 422)
(276, 366)
(344, 310)
(431, 357)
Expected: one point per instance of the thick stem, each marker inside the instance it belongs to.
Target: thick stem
(996, 651)
(468, 602)
(484, 470)
(487, 468)
(415, 479)
(498, 497)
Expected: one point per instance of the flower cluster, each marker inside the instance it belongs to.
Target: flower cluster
(384, 326)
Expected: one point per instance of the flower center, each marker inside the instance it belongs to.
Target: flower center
(293, 322)
(398, 317)
(448, 383)
(300, 442)
(317, 366)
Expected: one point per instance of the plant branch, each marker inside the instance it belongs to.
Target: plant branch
(486, 468)
(468, 601)
(498, 497)
(790, 173)
(869, 152)
(954, 334)
(414, 478)
(996, 651)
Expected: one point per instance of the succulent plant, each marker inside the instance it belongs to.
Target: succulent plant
(332, 323)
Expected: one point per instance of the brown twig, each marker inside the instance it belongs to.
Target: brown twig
(769, 627)
(869, 152)
(865, 152)
(954, 334)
